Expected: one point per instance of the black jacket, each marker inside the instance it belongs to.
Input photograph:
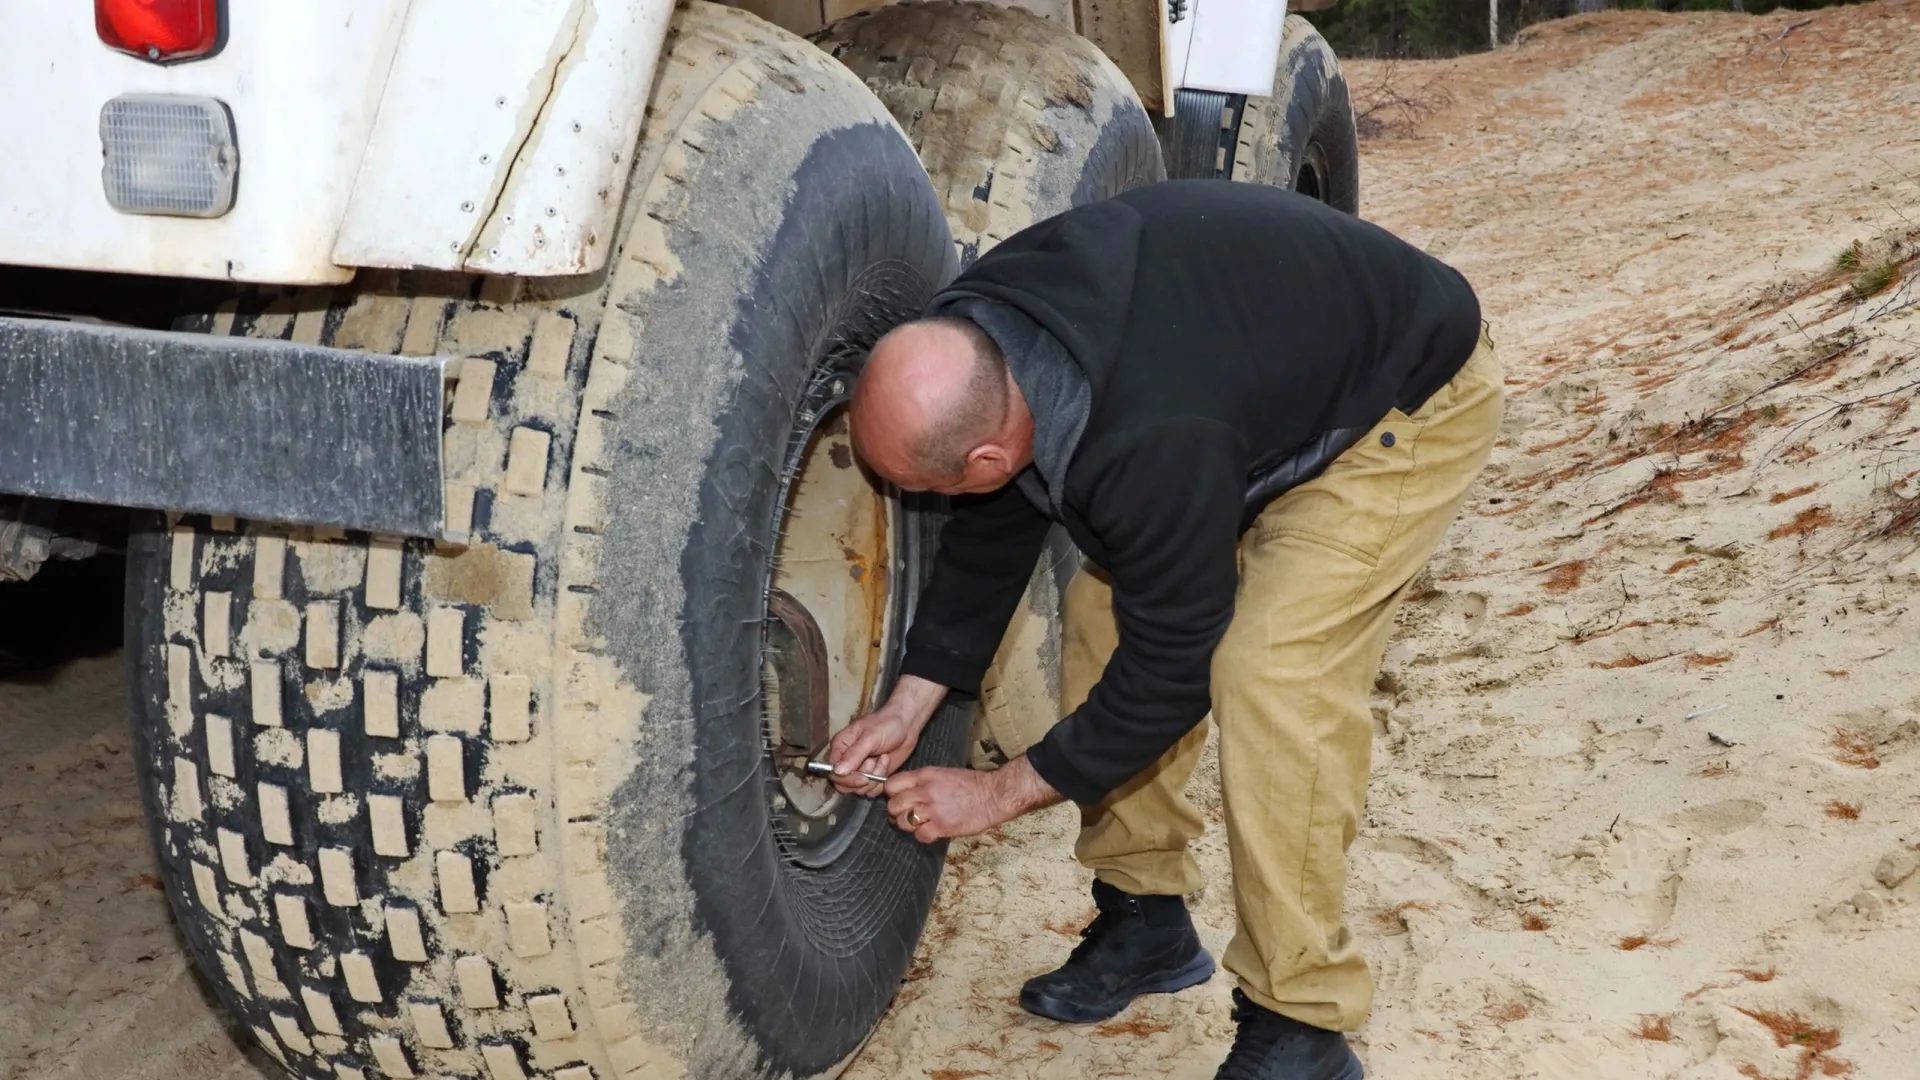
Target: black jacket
(1235, 338)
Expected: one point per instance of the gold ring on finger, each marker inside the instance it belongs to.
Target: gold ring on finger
(914, 820)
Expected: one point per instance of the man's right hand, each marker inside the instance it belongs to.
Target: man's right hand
(883, 739)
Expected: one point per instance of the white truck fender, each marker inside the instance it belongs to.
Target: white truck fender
(1226, 46)
(505, 136)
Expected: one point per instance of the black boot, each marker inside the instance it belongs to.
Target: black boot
(1269, 1046)
(1136, 945)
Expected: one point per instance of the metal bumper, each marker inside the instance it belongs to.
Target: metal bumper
(266, 430)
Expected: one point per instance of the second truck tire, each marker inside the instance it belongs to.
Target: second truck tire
(1015, 118)
(1303, 136)
(523, 804)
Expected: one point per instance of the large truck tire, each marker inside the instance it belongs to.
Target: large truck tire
(1016, 118)
(525, 805)
(1303, 136)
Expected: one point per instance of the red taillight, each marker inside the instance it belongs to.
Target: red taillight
(159, 29)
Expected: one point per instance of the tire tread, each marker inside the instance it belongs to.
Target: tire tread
(457, 931)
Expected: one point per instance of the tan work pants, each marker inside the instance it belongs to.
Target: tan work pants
(1321, 572)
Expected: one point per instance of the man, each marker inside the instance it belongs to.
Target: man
(1256, 417)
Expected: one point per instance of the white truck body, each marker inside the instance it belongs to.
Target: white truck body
(490, 137)
(480, 136)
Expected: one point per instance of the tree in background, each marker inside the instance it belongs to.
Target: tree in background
(1431, 28)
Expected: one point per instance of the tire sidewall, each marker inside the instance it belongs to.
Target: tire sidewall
(1318, 116)
(855, 246)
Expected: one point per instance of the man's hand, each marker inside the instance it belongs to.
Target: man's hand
(936, 804)
(883, 739)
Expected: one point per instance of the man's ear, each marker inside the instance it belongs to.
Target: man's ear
(989, 456)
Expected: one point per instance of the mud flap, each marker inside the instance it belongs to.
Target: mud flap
(265, 430)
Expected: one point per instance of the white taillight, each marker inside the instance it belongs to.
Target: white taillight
(169, 155)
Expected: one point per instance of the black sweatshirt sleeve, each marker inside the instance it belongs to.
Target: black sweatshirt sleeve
(988, 550)
(1168, 505)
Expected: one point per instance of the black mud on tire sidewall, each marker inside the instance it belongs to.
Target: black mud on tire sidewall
(1318, 126)
(812, 956)
(1124, 155)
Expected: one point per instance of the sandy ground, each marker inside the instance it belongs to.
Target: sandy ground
(1645, 777)
(1646, 801)
(94, 982)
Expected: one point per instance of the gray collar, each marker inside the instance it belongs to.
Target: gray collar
(1057, 393)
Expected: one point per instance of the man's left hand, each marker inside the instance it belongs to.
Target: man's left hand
(938, 804)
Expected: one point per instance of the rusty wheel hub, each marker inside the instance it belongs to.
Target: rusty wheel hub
(828, 619)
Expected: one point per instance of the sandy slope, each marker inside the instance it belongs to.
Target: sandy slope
(1572, 868)
(1562, 855)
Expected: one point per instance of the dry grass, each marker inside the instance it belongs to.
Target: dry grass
(1506, 1012)
(1563, 441)
(1790, 1029)
(1519, 609)
(1874, 279)
(1906, 514)
(1630, 661)
(1715, 770)
(1843, 811)
(1395, 917)
(1664, 485)
(1764, 626)
(1779, 497)
(1682, 564)
(1139, 1027)
(1804, 522)
(1699, 660)
(1566, 577)
(1855, 748)
(1581, 636)
(1548, 479)
(1392, 105)
(1533, 922)
(1726, 434)
(1636, 942)
(1654, 1029)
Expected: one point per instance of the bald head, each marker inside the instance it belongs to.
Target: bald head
(935, 409)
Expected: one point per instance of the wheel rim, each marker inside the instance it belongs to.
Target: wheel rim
(1312, 177)
(829, 616)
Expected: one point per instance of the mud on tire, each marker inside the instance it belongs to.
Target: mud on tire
(501, 808)
(1016, 118)
(1303, 136)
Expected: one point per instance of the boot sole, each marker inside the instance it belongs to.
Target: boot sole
(1192, 973)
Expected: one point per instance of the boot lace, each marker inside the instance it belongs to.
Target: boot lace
(1091, 936)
